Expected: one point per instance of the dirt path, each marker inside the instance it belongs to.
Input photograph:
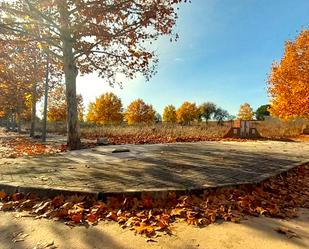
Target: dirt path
(253, 233)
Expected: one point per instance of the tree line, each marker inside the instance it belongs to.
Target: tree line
(108, 110)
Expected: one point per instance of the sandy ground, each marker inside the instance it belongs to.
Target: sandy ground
(259, 233)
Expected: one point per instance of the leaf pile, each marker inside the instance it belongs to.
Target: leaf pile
(158, 139)
(276, 197)
(13, 147)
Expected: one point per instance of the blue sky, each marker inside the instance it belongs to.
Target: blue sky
(224, 55)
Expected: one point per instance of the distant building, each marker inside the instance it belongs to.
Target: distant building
(243, 129)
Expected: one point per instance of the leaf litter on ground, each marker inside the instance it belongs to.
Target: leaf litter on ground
(14, 147)
(278, 197)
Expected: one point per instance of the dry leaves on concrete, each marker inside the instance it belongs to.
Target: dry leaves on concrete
(276, 197)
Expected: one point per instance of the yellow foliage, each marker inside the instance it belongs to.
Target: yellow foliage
(107, 109)
(139, 112)
(245, 112)
(289, 80)
(187, 113)
(169, 114)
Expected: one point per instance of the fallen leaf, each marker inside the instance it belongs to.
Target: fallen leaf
(17, 196)
(19, 237)
(286, 231)
(92, 218)
(6, 206)
(43, 245)
(144, 229)
(3, 195)
(77, 218)
(112, 216)
(41, 207)
(151, 240)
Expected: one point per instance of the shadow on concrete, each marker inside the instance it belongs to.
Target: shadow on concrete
(177, 166)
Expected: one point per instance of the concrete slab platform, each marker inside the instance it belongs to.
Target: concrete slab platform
(151, 168)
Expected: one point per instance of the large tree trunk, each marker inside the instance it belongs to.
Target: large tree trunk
(72, 115)
(71, 72)
(33, 111)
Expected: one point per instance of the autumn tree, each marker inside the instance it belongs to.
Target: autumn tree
(107, 109)
(26, 63)
(207, 110)
(88, 36)
(57, 106)
(158, 117)
(23, 69)
(187, 113)
(139, 112)
(12, 102)
(245, 112)
(289, 80)
(220, 115)
(262, 112)
(169, 114)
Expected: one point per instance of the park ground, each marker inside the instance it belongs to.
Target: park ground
(284, 196)
(252, 233)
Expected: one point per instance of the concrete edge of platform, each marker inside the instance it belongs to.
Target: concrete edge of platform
(41, 191)
(10, 188)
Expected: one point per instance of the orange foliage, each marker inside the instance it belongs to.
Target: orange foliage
(289, 80)
(57, 107)
(139, 112)
(187, 113)
(169, 114)
(107, 109)
(21, 65)
(14, 147)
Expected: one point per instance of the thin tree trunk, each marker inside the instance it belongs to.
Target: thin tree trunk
(18, 119)
(71, 72)
(45, 101)
(8, 123)
(33, 111)
(14, 122)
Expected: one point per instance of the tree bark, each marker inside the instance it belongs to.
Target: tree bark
(33, 111)
(8, 121)
(18, 118)
(45, 101)
(72, 115)
(14, 121)
(70, 72)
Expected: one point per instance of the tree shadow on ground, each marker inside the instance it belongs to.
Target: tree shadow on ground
(54, 231)
(268, 227)
(104, 235)
(177, 166)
